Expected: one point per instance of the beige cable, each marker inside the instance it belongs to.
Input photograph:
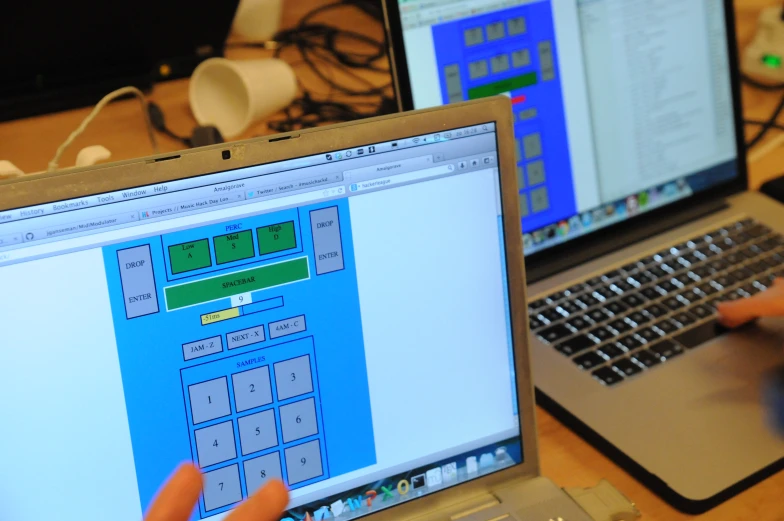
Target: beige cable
(54, 163)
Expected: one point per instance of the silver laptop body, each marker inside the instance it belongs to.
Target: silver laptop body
(143, 326)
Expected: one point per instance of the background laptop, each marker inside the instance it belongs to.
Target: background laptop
(628, 125)
(331, 308)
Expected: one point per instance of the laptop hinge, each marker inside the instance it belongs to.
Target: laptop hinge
(487, 502)
(543, 265)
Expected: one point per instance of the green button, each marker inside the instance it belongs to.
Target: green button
(276, 237)
(225, 286)
(190, 256)
(233, 247)
(503, 86)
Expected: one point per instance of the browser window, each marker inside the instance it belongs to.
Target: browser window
(619, 107)
(314, 320)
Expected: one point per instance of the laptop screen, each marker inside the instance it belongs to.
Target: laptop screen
(620, 107)
(339, 321)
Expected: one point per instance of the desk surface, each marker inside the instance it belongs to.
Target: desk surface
(566, 458)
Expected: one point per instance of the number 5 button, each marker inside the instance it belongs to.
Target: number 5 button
(292, 377)
(257, 432)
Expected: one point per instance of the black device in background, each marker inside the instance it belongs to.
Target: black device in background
(60, 55)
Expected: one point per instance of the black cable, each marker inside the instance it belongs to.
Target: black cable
(760, 85)
(159, 123)
(759, 122)
(767, 125)
(327, 52)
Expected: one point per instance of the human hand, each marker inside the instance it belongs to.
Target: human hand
(769, 303)
(178, 497)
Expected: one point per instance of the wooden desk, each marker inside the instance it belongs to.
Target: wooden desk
(565, 457)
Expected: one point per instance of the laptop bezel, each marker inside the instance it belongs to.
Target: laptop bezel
(57, 186)
(584, 248)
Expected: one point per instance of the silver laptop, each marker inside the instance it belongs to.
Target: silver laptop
(341, 308)
(632, 176)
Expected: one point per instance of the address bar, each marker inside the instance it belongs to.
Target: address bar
(419, 175)
(157, 227)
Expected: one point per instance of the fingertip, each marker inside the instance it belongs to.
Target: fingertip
(277, 493)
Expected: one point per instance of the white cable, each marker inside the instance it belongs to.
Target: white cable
(53, 164)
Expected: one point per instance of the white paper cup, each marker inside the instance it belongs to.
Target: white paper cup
(232, 95)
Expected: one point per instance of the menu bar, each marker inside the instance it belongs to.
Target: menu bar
(248, 179)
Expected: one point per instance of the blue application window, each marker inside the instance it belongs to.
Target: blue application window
(239, 366)
(513, 52)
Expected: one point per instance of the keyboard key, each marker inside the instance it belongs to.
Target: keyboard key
(567, 307)
(627, 367)
(767, 245)
(720, 246)
(718, 265)
(633, 300)
(700, 334)
(601, 333)
(607, 376)
(758, 267)
(620, 325)
(575, 345)
(638, 318)
(611, 351)
(555, 297)
(656, 311)
(741, 274)
(683, 279)
(604, 293)
(535, 323)
(616, 308)
(657, 272)
(666, 349)
(587, 300)
(650, 293)
(633, 266)
(577, 288)
(550, 315)
(733, 258)
(665, 286)
(579, 323)
(589, 360)
(703, 272)
(668, 268)
(646, 358)
(554, 333)
(724, 281)
(701, 311)
(647, 261)
(690, 258)
(758, 230)
(639, 279)
(707, 288)
(690, 296)
(750, 289)
(597, 315)
(684, 318)
(630, 342)
(773, 261)
(750, 252)
(595, 281)
(610, 275)
(673, 303)
(622, 286)
(667, 326)
(648, 334)
(537, 304)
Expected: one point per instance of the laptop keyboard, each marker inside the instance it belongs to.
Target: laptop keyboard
(630, 320)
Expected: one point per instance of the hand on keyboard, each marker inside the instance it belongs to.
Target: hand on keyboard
(769, 303)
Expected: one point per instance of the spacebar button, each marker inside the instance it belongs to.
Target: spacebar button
(700, 334)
